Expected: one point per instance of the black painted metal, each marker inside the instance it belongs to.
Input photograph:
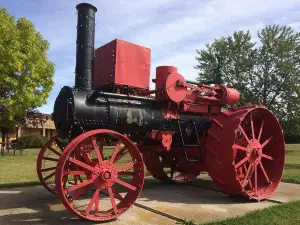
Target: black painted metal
(75, 112)
(85, 46)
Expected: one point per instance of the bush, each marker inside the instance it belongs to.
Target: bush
(30, 141)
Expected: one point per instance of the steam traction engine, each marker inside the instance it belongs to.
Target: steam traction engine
(110, 124)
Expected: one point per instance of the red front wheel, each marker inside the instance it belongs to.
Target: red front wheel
(112, 177)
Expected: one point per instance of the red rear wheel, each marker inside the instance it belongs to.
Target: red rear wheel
(245, 152)
(112, 177)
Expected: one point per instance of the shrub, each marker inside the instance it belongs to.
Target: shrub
(30, 141)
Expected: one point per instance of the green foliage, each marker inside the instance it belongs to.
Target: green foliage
(30, 141)
(25, 71)
(187, 222)
(64, 142)
(266, 70)
(283, 214)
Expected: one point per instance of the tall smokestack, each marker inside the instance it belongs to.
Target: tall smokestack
(85, 46)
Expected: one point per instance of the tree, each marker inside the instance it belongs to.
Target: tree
(266, 72)
(26, 74)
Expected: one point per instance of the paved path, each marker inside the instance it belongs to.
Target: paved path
(158, 204)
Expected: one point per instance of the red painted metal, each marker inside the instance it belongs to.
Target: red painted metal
(228, 95)
(162, 73)
(252, 155)
(109, 186)
(45, 169)
(175, 92)
(120, 63)
(165, 137)
(171, 85)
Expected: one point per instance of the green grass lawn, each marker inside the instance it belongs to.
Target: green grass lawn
(292, 164)
(21, 170)
(284, 214)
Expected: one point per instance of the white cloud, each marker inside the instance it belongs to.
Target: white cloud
(173, 29)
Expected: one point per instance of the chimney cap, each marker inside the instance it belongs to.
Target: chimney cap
(86, 5)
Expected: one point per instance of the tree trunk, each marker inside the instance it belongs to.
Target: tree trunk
(3, 131)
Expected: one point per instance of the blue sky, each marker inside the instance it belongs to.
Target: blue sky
(173, 29)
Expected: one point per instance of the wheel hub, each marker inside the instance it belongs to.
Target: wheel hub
(105, 174)
(254, 153)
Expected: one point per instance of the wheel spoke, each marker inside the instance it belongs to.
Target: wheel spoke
(266, 142)
(79, 163)
(116, 150)
(59, 145)
(112, 199)
(76, 195)
(87, 159)
(255, 179)
(75, 180)
(92, 202)
(172, 174)
(97, 204)
(241, 162)
(121, 154)
(243, 132)
(125, 166)
(50, 175)
(264, 172)
(260, 130)
(247, 175)
(235, 146)
(75, 187)
(50, 159)
(249, 179)
(65, 180)
(125, 184)
(79, 178)
(48, 169)
(117, 194)
(74, 172)
(252, 126)
(54, 151)
(267, 157)
(97, 150)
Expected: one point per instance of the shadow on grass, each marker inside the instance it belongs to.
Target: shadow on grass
(291, 180)
(292, 166)
(20, 184)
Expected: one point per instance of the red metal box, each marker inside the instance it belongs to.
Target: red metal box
(121, 63)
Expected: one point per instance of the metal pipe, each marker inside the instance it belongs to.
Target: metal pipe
(96, 94)
(85, 46)
(192, 82)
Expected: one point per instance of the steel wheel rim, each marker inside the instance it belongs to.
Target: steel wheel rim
(101, 176)
(258, 156)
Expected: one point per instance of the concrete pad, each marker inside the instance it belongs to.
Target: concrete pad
(158, 204)
(192, 203)
(286, 192)
(35, 205)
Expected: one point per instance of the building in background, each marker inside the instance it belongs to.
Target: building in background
(33, 125)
